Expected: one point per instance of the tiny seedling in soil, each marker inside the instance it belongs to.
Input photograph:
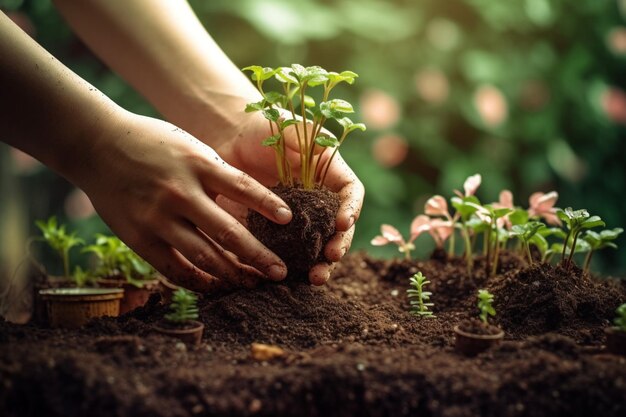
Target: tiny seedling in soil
(389, 234)
(419, 298)
(485, 305)
(183, 309)
(291, 111)
(576, 221)
(597, 241)
(57, 237)
(620, 320)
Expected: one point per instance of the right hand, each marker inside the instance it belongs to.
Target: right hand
(154, 185)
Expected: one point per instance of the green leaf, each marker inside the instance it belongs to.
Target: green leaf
(540, 242)
(327, 141)
(335, 109)
(501, 212)
(286, 123)
(466, 206)
(272, 97)
(298, 71)
(285, 75)
(593, 221)
(272, 140)
(260, 73)
(254, 107)
(315, 76)
(518, 216)
(309, 101)
(271, 114)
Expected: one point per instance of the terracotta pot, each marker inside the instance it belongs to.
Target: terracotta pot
(191, 335)
(615, 340)
(40, 306)
(471, 344)
(133, 296)
(73, 307)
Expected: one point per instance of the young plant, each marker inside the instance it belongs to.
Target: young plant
(527, 233)
(419, 298)
(82, 277)
(620, 320)
(576, 221)
(184, 307)
(116, 258)
(305, 115)
(597, 241)
(390, 234)
(485, 305)
(59, 240)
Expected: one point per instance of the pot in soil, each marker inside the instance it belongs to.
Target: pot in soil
(299, 243)
(73, 307)
(134, 296)
(615, 340)
(189, 332)
(181, 321)
(473, 337)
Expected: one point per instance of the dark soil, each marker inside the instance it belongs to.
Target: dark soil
(300, 242)
(353, 349)
(477, 327)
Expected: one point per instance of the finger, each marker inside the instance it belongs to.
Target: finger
(339, 245)
(342, 179)
(238, 211)
(177, 268)
(242, 188)
(231, 235)
(203, 253)
(320, 273)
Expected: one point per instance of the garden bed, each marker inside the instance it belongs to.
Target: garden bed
(351, 349)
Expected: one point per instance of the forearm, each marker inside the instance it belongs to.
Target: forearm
(45, 109)
(164, 52)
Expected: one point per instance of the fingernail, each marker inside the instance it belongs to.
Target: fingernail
(350, 222)
(277, 272)
(283, 215)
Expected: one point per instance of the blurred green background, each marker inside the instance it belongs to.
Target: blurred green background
(529, 93)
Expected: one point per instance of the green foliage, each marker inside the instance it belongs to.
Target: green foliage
(597, 241)
(307, 118)
(527, 233)
(620, 320)
(184, 306)
(59, 240)
(419, 298)
(116, 258)
(576, 221)
(485, 305)
(82, 277)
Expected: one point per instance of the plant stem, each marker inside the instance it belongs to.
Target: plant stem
(588, 261)
(565, 247)
(572, 250)
(468, 251)
(530, 256)
(66, 262)
(496, 254)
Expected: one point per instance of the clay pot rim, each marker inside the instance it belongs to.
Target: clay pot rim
(496, 336)
(614, 330)
(122, 282)
(81, 294)
(198, 326)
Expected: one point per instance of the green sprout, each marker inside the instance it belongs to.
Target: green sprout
(418, 297)
(597, 241)
(527, 233)
(82, 277)
(184, 307)
(576, 221)
(307, 117)
(485, 301)
(620, 320)
(59, 240)
(116, 258)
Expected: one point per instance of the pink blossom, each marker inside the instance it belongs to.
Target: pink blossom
(419, 225)
(505, 201)
(436, 206)
(470, 186)
(542, 204)
(440, 230)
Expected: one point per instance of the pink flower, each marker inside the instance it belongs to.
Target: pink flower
(419, 225)
(436, 206)
(491, 105)
(440, 230)
(470, 186)
(505, 201)
(542, 204)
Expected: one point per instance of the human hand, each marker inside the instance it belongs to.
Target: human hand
(241, 146)
(155, 186)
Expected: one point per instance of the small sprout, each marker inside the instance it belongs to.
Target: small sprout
(82, 277)
(59, 240)
(597, 241)
(576, 221)
(620, 320)
(390, 234)
(527, 233)
(418, 297)
(485, 301)
(184, 307)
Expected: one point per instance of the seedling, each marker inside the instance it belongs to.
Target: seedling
(116, 258)
(59, 240)
(576, 221)
(419, 298)
(82, 277)
(390, 234)
(485, 305)
(527, 233)
(597, 241)
(184, 307)
(620, 320)
(302, 111)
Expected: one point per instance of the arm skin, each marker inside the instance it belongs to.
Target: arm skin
(166, 54)
(153, 183)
